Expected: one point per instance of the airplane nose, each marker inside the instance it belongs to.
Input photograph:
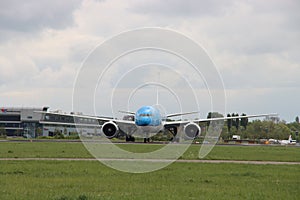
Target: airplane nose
(143, 121)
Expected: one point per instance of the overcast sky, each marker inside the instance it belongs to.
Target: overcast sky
(255, 45)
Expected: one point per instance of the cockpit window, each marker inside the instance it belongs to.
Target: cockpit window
(145, 115)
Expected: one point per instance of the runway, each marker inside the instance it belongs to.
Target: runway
(136, 143)
(154, 160)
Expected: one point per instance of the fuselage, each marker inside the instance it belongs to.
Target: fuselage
(285, 142)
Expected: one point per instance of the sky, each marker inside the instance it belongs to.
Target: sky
(254, 44)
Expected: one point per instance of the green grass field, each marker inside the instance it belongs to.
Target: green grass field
(77, 150)
(92, 180)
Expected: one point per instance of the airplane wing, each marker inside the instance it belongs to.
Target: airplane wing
(76, 116)
(109, 126)
(217, 119)
(180, 114)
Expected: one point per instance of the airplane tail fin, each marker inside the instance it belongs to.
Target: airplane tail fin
(290, 137)
(157, 94)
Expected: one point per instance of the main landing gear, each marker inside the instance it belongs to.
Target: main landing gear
(146, 140)
(130, 138)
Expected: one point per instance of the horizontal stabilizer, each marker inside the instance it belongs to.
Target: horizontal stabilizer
(127, 112)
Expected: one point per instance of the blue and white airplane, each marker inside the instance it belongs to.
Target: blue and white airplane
(148, 121)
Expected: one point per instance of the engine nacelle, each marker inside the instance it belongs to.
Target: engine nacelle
(110, 129)
(191, 130)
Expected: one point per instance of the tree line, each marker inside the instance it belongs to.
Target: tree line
(258, 129)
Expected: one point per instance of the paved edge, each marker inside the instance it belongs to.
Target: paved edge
(154, 160)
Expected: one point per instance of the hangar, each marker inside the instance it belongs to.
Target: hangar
(28, 122)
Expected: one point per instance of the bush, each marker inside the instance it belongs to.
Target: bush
(82, 197)
(72, 137)
(58, 134)
(44, 137)
(3, 136)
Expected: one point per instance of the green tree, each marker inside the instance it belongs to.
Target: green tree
(58, 134)
(233, 120)
(39, 132)
(297, 119)
(225, 134)
(295, 129)
(282, 131)
(237, 122)
(65, 132)
(209, 117)
(266, 129)
(255, 129)
(214, 115)
(229, 123)
(2, 131)
(244, 121)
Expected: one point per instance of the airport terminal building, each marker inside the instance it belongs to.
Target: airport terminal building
(31, 123)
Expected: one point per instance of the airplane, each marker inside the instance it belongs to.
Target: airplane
(148, 121)
(286, 142)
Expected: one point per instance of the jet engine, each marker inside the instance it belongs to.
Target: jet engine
(110, 129)
(191, 130)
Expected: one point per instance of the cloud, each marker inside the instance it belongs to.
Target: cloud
(108, 18)
(251, 45)
(255, 44)
(179, 9)
(10, 72)
(35, 15)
